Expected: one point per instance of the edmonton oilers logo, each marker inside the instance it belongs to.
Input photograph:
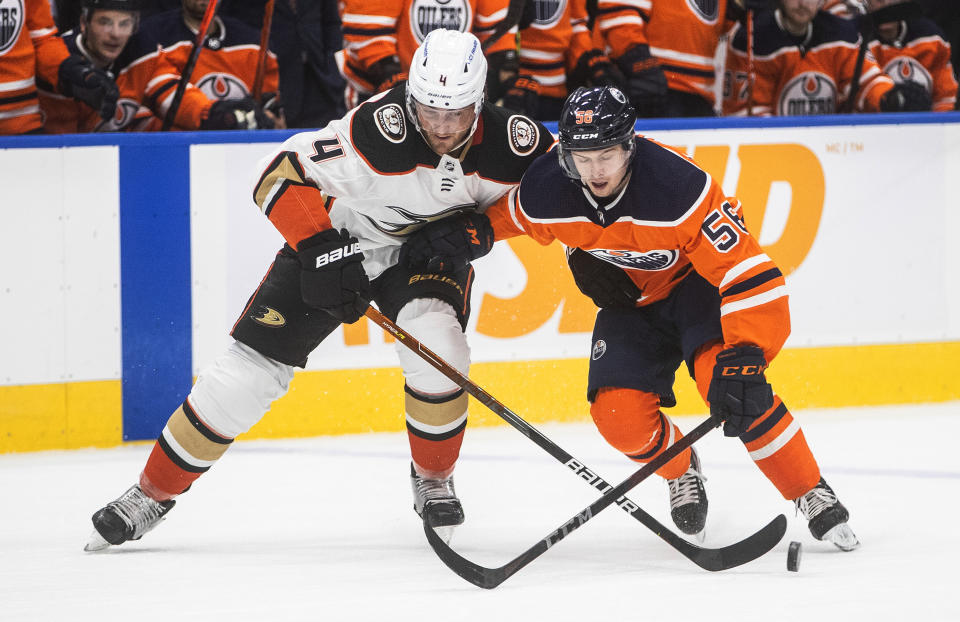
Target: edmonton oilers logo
(650, 260)
(547, 12)
(123, 116)
(599, 349)
(11, 23)
(906, 69)
(808, 93)
(222, 86)
(429, 15)
(707, 10)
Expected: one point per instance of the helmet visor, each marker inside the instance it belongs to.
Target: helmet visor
(443, 121)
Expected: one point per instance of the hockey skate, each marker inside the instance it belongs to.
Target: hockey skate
(436, 502)
(128, 518)
(827, 517)
(688, 499)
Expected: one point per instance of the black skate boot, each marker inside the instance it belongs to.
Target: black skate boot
(827, 517)
(688, 498)
(128, 518)
(436, 502)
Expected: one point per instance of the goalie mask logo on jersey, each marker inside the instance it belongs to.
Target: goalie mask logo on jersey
(810, 92)
(391, 123)
(636, 260)
(11, 23)
(523, 136)
(428, 15)
(599, 349)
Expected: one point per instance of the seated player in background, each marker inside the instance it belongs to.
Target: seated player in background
(679, 279)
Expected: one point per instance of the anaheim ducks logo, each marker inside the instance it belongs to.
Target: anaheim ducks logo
(269, 316)
(599, 349)
(123, 116)
(548, 12)
(522, 135)
(391, 123)
(636, 260)
(222, 86)
(706, 10)
(810, 92)
(11, 23)
(429, 15)
(906, 69)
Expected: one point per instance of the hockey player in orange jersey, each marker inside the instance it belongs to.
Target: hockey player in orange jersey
(909, 47)
(558, 54)
(146, 79)
(380, 36)
(805, 61)
(679, 279)
(226, 67)
(344, 197)
(32, 56)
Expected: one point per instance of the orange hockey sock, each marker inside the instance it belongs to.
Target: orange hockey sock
(778, 447)
(435, 427)
(631, 421)
(185, 450)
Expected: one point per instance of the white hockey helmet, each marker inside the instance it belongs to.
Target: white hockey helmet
(449, 72)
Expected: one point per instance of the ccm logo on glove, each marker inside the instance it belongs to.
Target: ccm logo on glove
(338, 253)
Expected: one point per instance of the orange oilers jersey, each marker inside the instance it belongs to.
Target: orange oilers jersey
(553, 43)
(373, 174)
(30, 52)
(669, 220)
(800, 75)
(146, 84)
(920, 54)
(682, 34)
(376, 29)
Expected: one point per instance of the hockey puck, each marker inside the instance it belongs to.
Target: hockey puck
(793, 556)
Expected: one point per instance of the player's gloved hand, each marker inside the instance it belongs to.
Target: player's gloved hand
(521, 94)
(386, 73)
(606, 284)
(593, 68)
(645, 81)
(739, 392)
(333, 278)
(91, 85)
(906, 97)
(448, 244)
(235, 114)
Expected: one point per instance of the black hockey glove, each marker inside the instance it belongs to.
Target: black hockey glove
(94, 87)
(906, 97)
(235, 114)
(739, 392)
(595, 69)
(386, 73)
(448, 244)
(333, 278)
(645, 81)
(521, 94)
(604, 283)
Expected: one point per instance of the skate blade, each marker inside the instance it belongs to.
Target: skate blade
(96, 543)
(701, 535)
(445, 533)
(842, 537)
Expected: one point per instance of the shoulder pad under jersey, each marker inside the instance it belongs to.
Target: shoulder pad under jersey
(505, 145)
(383, 135)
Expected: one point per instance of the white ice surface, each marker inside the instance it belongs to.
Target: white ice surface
(322, 529)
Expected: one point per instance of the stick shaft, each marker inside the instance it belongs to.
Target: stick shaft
(264, 51)
(191, 63)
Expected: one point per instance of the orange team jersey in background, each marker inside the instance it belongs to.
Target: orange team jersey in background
(670, 219)
(377, 29)
(30, 52)
(146, 84)
(226, 67)
(553, 43)
(682, 34)
(800, 75)
(920, 54)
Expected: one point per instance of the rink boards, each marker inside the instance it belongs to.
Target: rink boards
(127, 258)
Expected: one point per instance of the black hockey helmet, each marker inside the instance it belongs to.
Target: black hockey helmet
(594, 118)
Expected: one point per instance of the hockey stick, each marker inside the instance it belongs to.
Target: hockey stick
(751, 77)
(191, 63)
(709, 559)
(264, 51)
(512, 18)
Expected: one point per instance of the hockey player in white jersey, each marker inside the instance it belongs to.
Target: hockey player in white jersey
(345, 198)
